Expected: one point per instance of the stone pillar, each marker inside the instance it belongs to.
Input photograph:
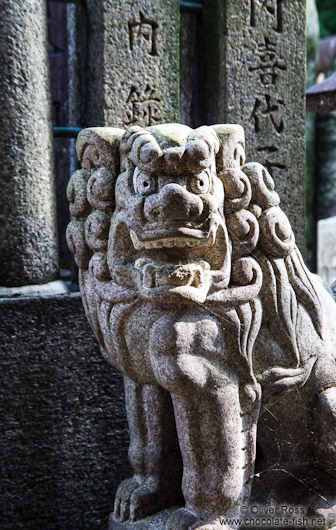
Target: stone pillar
(28, 242)
(312, 53)
(256, 77)
(133, 62)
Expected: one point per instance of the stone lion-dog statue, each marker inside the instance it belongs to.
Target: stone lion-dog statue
(197, 293)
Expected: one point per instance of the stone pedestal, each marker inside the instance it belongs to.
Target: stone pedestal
(154, 522)
(255, 60)
(133, 73)
(28, 242)
(63, 436)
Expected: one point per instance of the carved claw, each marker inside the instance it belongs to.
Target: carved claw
(122, 499)
(136, 501)
(144, 502)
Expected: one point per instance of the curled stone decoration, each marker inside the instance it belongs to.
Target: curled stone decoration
(100, 190)
(197, 293)
(262, 185)
(243, 228)
(77, 194)
(97, 228)
(276, 235)
(237, 188)
(75, 236)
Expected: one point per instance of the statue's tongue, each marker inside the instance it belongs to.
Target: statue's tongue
(174, 275)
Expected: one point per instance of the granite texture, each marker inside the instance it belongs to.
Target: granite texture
(133, 62)
(311, 74)
(28, 239)
(196, 291)
(255, 76)
(63, 434)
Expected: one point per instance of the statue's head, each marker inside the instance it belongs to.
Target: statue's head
(169, 221)
(168, 210)
(168, 214)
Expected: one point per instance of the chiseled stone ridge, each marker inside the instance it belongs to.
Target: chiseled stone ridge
(197, 293)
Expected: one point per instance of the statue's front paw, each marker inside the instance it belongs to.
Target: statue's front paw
(122, 499)
(135, 500)
(145, 501)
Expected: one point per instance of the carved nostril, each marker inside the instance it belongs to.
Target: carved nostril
(155, 213)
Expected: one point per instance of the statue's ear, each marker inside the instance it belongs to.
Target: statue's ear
(98, 150)
(99, 147)
(91, 193)
(231, 152)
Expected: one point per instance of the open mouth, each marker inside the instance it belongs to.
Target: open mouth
(180, 241)
(170, 275)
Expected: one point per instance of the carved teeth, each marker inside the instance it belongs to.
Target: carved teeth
(171, 242)
(149, 244)
(179, 243)
(138, 245)
(210, 240)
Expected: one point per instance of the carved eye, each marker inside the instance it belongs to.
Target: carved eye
(144, 184)
(200, 183)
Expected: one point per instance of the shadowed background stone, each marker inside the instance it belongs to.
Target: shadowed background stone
(63, 432)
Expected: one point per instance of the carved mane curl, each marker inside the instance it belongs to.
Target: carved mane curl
(258, 227)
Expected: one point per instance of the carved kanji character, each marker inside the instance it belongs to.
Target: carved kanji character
(268, 108)
(143, 32)
(272, 9)
(268, 63)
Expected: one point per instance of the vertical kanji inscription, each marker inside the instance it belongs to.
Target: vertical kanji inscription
(271, 9)
(143, 34)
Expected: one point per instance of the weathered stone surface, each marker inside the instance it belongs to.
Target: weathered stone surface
(197, 293)
(255, 59)
(156, 522)
(63, 434)
(133, 74)
(312, 50)
(28, 241)
(45, 289)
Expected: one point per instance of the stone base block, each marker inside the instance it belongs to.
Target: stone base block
(63, 434)
(154, 522)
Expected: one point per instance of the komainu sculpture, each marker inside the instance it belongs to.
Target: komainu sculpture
(196, 292)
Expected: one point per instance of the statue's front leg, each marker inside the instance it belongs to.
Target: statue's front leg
(153, 453)
(218, 454)
(217, 434)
